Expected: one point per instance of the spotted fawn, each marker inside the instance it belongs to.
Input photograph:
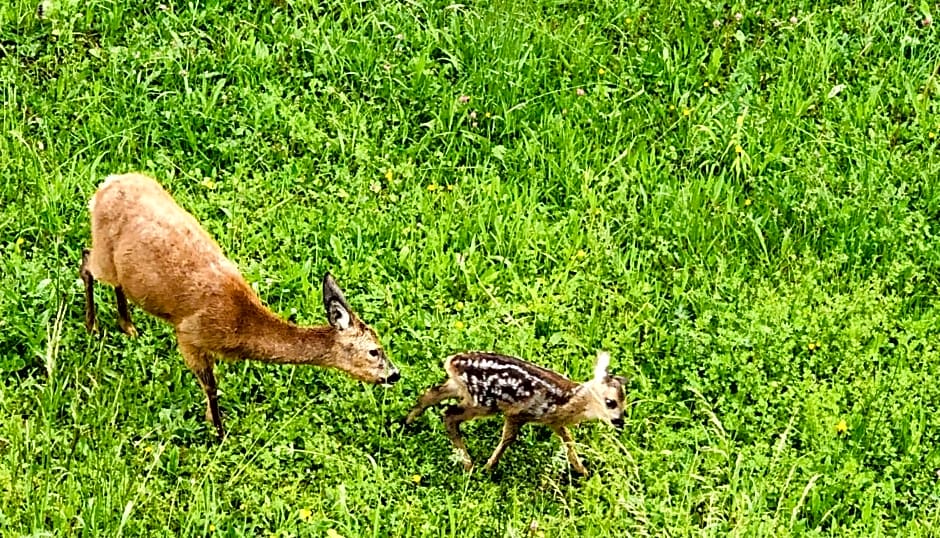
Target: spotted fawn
(488, 383)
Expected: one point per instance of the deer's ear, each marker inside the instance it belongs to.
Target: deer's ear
(338, 316)
(601, 365)
(337, 310)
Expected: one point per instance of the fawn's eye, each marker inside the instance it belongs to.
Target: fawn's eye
(611, 404)
(374, 352)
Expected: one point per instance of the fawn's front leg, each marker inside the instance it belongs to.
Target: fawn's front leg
(454, 416)
(433, 396)
(572, 453)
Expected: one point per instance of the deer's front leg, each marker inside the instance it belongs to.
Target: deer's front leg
(202, 364)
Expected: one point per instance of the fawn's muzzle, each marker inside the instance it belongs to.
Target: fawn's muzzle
(618, 422)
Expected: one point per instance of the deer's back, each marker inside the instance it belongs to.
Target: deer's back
(155, 250)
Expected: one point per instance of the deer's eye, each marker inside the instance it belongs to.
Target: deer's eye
(611, 404)
(374, 352)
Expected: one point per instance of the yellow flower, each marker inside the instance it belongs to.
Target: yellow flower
(628, 20)
(432, 187)
(686, 111)
(672, 108)
(747, 201)
(459, 306)
(931, 135)
(580, 254)
(739, 149)
(487, 115)
(459, 325)
(304, 514)
(416, 479)
(208, 183)
(388, 174)
(450, 186)
(601, 71)
(211, 528)
(841, 426)
(706, 83)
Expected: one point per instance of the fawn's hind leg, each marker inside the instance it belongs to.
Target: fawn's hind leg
(510, 432)
(124, 314)
(91, 322)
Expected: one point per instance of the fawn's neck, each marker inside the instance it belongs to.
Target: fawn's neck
(575, 409)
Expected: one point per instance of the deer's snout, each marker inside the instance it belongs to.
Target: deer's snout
(393, 376)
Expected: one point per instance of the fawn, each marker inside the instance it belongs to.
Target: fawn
(156, 254)
(487, 384)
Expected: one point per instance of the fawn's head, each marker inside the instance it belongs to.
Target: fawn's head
(356, 347)
(604, 393)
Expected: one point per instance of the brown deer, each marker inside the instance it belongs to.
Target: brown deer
(487, 384)
(157, 255)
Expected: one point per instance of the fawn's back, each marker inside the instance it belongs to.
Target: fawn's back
(507, 384)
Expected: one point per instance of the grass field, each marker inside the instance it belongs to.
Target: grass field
(739, 201)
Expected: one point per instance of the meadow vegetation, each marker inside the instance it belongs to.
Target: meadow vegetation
(739, 201)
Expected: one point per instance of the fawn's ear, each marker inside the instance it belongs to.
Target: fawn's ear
(601, 365)
(337, 310)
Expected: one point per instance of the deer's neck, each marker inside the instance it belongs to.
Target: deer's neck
(270, 338)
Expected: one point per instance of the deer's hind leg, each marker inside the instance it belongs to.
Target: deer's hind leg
(91, 322)
(124, 314)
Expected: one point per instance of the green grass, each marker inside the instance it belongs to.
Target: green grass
(759, 251)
